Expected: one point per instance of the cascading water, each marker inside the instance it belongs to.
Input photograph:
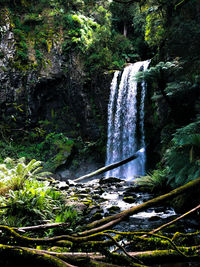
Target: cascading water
(126, 122)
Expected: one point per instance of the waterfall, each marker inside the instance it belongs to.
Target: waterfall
(126, 122)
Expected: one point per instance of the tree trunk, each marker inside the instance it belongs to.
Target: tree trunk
(125, 29)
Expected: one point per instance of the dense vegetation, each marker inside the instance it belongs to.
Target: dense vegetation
(96, 38)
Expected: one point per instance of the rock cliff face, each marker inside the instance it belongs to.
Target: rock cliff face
(55, 93)
(9, 83)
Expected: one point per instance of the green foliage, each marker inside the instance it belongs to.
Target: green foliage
(30, 201)
(56, 149)
(155, 30)
(87, 28)
(33, 204)
(154, 182)
(161, 72)
(183, 157)
(53, 150)
(13, 174)
(39, 55)
(22, 49)
(32, 19)
(178, 88)
(90, 37)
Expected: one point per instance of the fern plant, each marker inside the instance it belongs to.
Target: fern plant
(183, 158)
(13, 174)
(154, 182)
(162, 71)
(30, 201)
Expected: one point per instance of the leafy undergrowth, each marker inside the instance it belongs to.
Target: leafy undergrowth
(27, 198)
(52, 149)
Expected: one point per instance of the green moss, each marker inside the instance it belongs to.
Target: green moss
(129, 199)
(97, 216)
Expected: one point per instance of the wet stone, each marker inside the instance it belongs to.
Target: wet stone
(84, 191)
(109, 180)
(114, 209)
(62, 186)
(129, 199)
(97, 216)
(160, 209)
(126, 194)
(154, 218)
(96, 197)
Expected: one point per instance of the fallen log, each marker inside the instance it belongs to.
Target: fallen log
(108, 168)
(41, 227)
(175, 220)
(110, 221)
(147, 257)
(27, 257)
(163, 256)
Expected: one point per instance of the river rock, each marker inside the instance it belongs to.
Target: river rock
(110, 180)
(114, 209)
(154, 218)
(62, 185)
(129, 199)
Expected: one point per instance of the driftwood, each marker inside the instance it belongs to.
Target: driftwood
(107, 168)
(41, 227)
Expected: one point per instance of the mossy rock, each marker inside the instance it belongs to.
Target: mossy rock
(57, 148)
(186, 201)
(129, 199)
(114, 209)
(97, 216)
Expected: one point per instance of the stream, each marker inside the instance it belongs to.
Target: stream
(100, 198)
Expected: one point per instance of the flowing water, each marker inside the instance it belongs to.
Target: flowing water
(126, 122)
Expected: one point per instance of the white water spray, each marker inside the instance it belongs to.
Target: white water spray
(126, 122)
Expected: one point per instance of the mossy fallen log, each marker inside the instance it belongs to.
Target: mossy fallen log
(164, 256)
(108, 222)
(147, 257)
(42, 258)
(12, 256)
(175, 220)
